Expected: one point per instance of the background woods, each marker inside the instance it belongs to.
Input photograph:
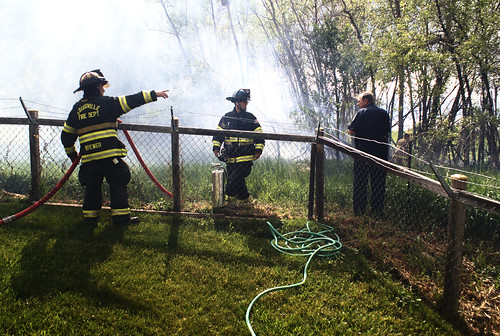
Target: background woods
(432, 64)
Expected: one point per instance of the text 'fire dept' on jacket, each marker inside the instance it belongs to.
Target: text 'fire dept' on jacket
(93, 120)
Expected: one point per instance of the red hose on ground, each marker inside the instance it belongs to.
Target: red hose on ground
(146, 169)
(45, 198)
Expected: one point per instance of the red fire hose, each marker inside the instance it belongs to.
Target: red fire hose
(45, 198)
(146, 169)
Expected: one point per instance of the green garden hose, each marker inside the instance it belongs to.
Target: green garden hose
(300, 243)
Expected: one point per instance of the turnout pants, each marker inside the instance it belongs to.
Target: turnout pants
(117, 174)
(236, 185)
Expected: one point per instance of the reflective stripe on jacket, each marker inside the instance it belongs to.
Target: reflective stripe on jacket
(238, 149)
(93, 121)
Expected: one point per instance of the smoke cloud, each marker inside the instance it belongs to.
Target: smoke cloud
(47, 45)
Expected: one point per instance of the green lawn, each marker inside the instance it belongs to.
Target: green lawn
(188, 276)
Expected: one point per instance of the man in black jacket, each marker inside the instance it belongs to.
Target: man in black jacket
(371, 127)
(93, 119)
(238, 152)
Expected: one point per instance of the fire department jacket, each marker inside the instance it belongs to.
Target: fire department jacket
(237, 149)
(94, 121)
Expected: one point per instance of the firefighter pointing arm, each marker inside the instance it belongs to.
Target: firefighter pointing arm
(93, 120)
(238, 153)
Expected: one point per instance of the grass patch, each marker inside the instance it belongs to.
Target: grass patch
(187, 276)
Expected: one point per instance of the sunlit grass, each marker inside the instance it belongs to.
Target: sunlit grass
(186, 276)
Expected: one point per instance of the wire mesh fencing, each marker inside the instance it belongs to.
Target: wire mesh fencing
(435, 244)
(281, 178)
(281, 175)
(283, 162)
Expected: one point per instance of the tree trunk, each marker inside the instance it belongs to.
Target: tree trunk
(282, 31)
(226, 3)
(175, 32)
(491, 129)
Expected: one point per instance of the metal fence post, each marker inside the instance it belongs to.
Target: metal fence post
(410, 149)
(36, 168)
(455, 239)
(176, 167)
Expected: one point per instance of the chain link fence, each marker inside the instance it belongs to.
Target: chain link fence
(288, 160)
(279, 177)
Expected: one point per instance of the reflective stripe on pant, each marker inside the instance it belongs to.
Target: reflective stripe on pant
(91, 176)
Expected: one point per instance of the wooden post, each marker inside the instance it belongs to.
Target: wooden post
(312, 173)
(456, 225)
(36, 169)
(176, 167)
(320, 179)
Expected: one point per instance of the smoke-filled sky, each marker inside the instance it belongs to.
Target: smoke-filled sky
(46, 46)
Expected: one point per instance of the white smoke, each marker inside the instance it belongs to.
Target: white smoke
(48, 44)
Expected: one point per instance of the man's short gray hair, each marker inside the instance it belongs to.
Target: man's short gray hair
(368, 96)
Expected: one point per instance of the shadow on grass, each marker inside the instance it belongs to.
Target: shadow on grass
(61, 260)
(173, 240)
(255, 234)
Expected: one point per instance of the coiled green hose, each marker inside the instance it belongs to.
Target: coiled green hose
(300, 243)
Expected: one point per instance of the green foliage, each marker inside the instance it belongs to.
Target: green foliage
(436, 61)
(15, 183)
(279, 181)
(482, 225)
(285, 184)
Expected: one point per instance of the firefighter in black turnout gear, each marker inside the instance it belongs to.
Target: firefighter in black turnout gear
(238, 153)
(93, 119)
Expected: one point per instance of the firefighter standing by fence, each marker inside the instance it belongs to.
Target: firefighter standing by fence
(238, 153)
(93, 119)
